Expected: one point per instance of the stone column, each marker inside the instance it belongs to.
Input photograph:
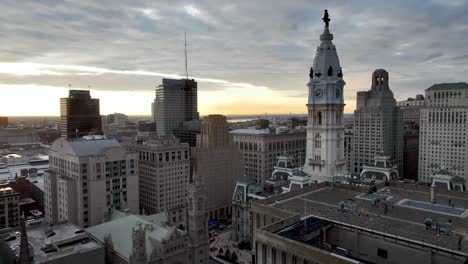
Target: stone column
(433, 193)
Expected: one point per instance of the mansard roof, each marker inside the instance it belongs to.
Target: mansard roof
(448, 86)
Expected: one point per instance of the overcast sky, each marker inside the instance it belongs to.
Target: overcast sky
(248, 56)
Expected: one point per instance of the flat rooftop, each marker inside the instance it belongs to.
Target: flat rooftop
(68, 239)
(10, 172)
(399, 220)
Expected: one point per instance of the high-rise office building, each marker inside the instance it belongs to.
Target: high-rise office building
(260, 149)
(176, 101)
(218, 161)
(378, 125)
(443, 131)
(164, 171)
(79, 115)
(325, 131)
(88, 177)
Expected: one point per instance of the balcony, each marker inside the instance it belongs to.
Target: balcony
(316, 162)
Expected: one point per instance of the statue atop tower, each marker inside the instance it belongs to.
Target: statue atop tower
(326, 18)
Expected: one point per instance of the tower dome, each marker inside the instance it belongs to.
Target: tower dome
(326, 58)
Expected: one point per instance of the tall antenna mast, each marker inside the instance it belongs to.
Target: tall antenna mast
(186, 68)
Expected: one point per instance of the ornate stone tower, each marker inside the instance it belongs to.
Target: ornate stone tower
(138, 255)
(382, 122)
(197, 221)
(325, 130)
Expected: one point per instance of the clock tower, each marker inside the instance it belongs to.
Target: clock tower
(325, 129)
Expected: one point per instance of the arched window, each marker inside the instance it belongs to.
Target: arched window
(330, 71)
(319, 118)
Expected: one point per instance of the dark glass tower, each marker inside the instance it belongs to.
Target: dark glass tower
(79, 115)
(176, 102)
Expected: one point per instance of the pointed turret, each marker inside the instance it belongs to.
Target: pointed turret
(25, 257)
(197, 224)
(138, 255)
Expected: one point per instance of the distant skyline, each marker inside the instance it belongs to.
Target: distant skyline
(249, 57)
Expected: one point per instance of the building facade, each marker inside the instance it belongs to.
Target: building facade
(348, 147)
(79, 115)
(260, 149)
(411, 155)
(176, 101)
(88, 177)
(164, 171)
(219, 162)
(325, 130)
(411, 108)
(3, 121)
(443, 135)
(9, 207)
(378, 125)
(187, 132)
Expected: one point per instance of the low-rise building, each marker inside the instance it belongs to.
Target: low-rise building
(247, 191)
(65, 243)
(343, 223)
(141, 239)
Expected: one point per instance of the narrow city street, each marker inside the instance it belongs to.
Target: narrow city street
(223, 241)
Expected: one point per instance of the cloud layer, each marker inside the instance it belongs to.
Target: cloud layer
(256, 45)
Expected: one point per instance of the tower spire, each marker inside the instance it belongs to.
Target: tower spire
(185, 43)
(25, 257)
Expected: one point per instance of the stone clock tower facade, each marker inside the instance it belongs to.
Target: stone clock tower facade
(325, 129)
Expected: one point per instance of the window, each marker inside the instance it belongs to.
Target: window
(317, 142)
(382, 253)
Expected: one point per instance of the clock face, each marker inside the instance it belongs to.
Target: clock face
(338, 92)
(318, 92)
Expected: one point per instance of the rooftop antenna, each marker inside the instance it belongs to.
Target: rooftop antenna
(185, 42)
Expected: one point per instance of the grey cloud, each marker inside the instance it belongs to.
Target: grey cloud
(434, 55)
(269, 43)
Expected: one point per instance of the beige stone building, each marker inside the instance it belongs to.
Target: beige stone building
(217, 160)
(443, 131)
(88, 177)
(164, 171)
(260, 149)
